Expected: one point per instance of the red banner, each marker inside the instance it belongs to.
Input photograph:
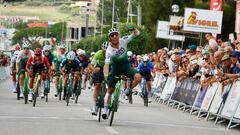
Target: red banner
(216, 5)
(237, 20)
(30, 25)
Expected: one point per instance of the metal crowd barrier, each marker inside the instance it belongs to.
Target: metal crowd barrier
(215, 102)
(4, 73)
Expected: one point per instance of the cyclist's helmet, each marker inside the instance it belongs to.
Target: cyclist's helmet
(37, 51)
(113, 30)
(105, 46)
(17, 48)
(62, 46)
(71, 55)
(145, 58)
(81, 52)
(129, 53)
(47, 47)
(25, 45)
(92, 53)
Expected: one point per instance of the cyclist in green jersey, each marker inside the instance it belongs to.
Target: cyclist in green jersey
(116, 56)
(96, 66)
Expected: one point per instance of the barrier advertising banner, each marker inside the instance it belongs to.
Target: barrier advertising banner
(186, 91)
(237, 114)
(200, 96)
(199, 20)
(168, 88)
(232, 101)
(209, 96)
(218, 98)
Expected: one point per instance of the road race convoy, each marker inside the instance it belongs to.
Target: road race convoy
(178, 77)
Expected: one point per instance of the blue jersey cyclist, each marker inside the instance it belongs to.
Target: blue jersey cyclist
(70, 64)
(146, 69)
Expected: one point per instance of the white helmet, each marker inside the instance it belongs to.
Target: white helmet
(47, 47)
(129, 53)
(71, 55)
(112, 31)
(145, 58)
(16, 53)
(92, 53)
(25, 45)
(81, 52)
(105, 46)
(62, 46)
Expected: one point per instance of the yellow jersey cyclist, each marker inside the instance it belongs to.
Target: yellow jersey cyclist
(96, 66)
(116, 56)
(58, 58)
(21, 63)
(70, 64)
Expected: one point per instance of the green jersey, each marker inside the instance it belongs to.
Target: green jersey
(99, 58)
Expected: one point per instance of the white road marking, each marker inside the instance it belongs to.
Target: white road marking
(174, 125)
(86, 110)
(111, 130)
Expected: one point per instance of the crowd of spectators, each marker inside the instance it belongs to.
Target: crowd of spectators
(215, 61)
(4, 59)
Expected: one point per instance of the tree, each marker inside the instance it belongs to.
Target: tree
(29, 34)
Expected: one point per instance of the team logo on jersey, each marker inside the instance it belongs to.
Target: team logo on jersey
(120, 51)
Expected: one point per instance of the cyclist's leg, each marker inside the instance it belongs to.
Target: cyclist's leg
(97, 80)
(21, 81)
(56, 84)
(111, 86)
(135, 75)
(14, 79)
(43, 81)
(75, 83)
(65, 83)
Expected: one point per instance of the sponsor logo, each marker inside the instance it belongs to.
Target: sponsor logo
(192, 20)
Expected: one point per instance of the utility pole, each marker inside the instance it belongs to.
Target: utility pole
(139, 14)
(129, 13)
(113, 8)
(102, 17)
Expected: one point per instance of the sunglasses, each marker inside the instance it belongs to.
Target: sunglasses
(26, 48)
(129, 57)
(112, 34)
(47, 51)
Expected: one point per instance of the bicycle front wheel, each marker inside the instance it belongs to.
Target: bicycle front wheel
(112, 116)
(145, 96)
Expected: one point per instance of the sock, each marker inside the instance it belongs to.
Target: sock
(21, 89)
(106, 100)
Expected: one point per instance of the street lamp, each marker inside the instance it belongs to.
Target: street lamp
(175, 9)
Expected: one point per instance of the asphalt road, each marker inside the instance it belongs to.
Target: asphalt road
(55, 118)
